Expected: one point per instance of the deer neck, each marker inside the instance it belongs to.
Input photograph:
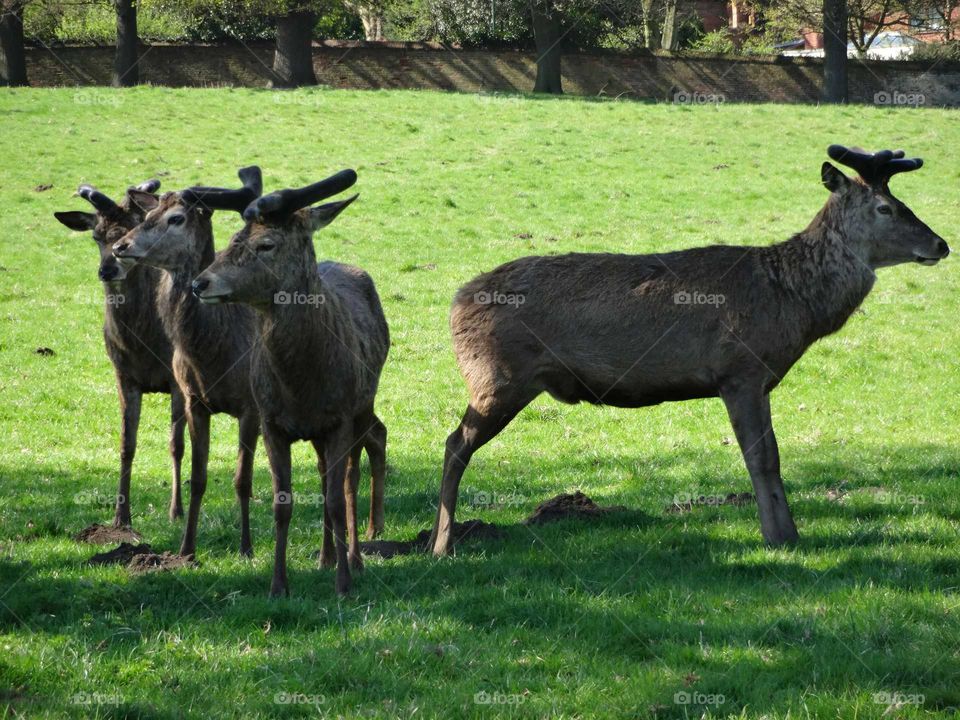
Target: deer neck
(184, 318)
(300, 329)
(824, 272)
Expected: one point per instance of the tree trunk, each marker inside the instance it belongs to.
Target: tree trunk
(372, 23)
(835, 51)
(669, 39)
(547, 35)
(11, 40)
(293, 59)
(125, 72)
(650, 39)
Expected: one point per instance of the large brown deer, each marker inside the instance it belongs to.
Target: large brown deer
(637, 330)
(211, 345)
(132, 332)
(323, 343)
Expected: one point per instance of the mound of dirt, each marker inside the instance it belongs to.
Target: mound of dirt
(120, 555)
(737, 499)
(152, 562)
(566, 506)
(469, 530)
(98, 534)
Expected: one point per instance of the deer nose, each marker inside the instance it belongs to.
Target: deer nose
(199, 285)
(943, 249)
(108, 272)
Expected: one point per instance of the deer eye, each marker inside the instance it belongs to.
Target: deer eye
(177, 219)
(885, 210)
(265, 247)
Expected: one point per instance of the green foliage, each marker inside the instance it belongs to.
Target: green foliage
(610, 618)
(936, 52)
(96, 22)
(718, 42)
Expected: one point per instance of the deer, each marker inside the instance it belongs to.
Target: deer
(316, 369)
(211, 345)
(133, 335)
(637, 330)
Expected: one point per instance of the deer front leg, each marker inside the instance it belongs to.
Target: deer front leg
(337, 447)
(749, 411)
(130, 402)
(243, 478)
(198, 421)
(178, 422)
(277, 445)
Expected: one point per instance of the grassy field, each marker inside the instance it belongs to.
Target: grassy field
(642, 614)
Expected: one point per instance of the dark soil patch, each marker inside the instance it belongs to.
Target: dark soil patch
(152, 562)
(469, 530)
(45, 351)
(98, 534)
(120, 555)
(568, 506)
(737, 499)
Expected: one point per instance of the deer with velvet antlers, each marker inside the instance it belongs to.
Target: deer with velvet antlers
(323, 341)
(623, 330)
(211, 346)
(132, 332)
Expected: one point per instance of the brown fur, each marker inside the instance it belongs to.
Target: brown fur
(608, 329)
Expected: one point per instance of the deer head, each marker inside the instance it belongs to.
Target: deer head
(273, 254)
(878, 227)
(111, 221)
(178, 229)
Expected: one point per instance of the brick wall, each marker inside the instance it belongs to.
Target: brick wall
(692, 78)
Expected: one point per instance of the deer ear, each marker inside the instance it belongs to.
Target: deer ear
(76, 220)
(322, 215)
(833, 180)
(145, 201)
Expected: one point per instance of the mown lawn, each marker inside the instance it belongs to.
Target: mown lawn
(615, 618)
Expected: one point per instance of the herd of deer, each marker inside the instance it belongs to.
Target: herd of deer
(294, 349)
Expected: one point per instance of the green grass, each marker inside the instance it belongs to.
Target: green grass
(610, 619)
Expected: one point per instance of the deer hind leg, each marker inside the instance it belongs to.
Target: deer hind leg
(375, 443)
(351, 482)
(476, 429)
(243, 478)
(328, 558)
(337, 447)
(178, 422)
(749, 410)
